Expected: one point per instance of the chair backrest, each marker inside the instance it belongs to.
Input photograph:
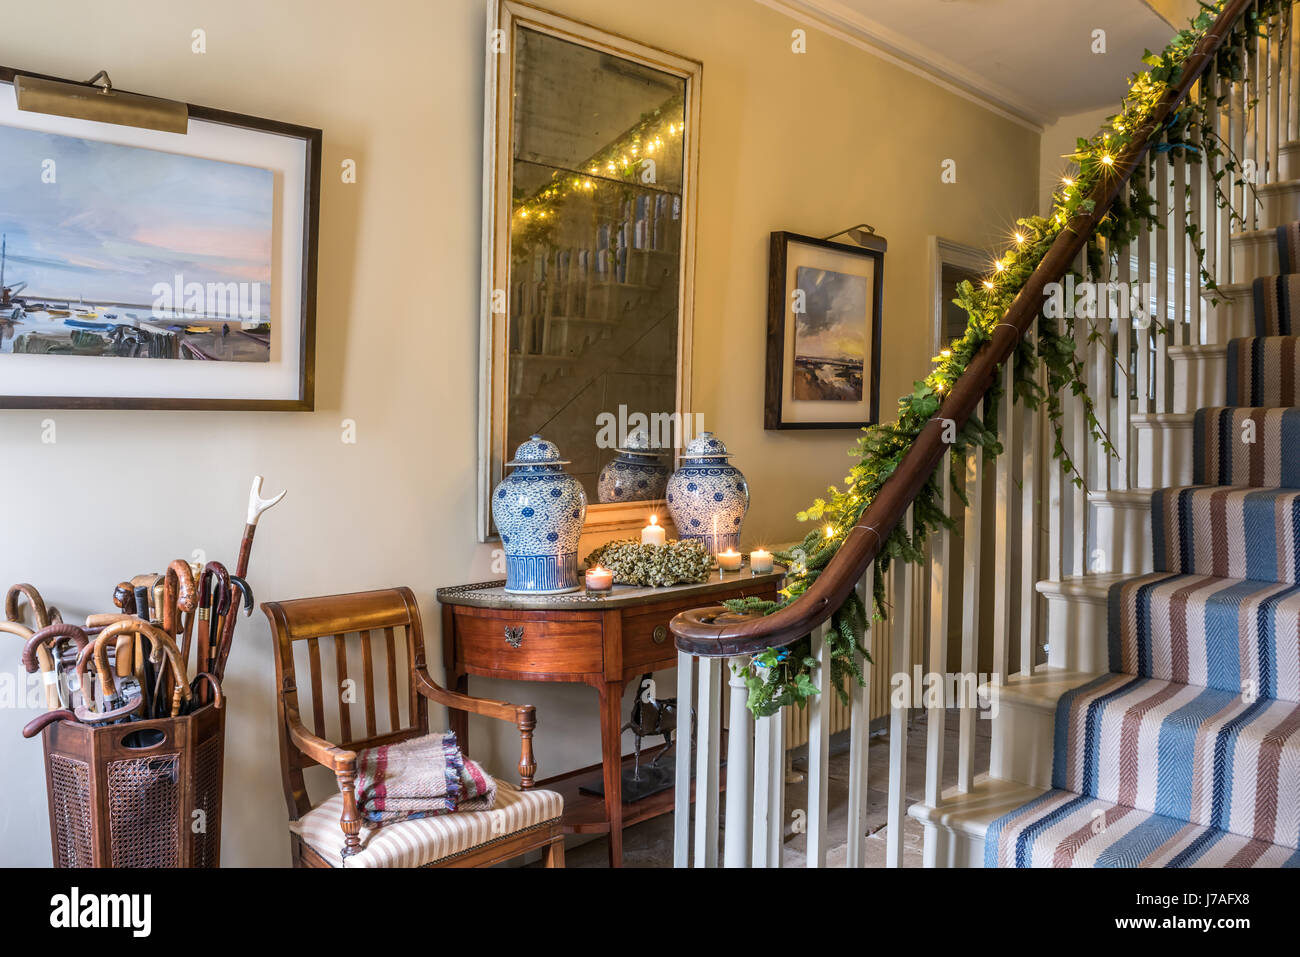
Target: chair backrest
(343, 709)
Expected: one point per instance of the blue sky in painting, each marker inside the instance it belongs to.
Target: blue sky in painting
(119, 219)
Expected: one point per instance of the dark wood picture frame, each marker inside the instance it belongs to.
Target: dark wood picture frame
(778, 298)
(306, 399)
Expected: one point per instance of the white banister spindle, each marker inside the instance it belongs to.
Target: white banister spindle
(1180, 252)
(708, 709)
(1123, 366)
(901, 663)
(1080, 452)
(1006, 535)
(1161, 325)
(972, 561)
(740, 784)
(940, 553)
(860, 737)
(769, 790)
(682, 788)
(1030, 543)
(1142, 321)
(819, 738)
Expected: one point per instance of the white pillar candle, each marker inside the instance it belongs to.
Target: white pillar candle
(599, 579)
(760, 561)
(653, 534)
(729, 560)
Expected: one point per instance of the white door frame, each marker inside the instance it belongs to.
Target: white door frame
(946, 252)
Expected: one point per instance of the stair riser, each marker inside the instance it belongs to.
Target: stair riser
(1076, 632)
(1289, 161)
(1281, 204)
(1022, 745)
(1200, 379)
(1254, 254)
(1164, 456)
(945, 847)
(1123, 538)
(1231, 318)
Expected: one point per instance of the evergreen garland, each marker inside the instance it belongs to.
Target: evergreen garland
(780, 676)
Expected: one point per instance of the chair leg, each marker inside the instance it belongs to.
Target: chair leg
(553, 856)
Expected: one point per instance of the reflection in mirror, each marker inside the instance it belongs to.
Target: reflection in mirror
(596, 231)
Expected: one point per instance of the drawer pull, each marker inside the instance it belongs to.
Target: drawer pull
(660, 634)
(514, 635)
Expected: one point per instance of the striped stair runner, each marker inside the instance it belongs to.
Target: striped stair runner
(1187, 752)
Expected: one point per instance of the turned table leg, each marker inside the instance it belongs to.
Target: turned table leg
(611, 747)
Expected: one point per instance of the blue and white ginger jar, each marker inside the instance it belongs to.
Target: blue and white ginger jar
(636, 474)
(708, 496)
(539, 509)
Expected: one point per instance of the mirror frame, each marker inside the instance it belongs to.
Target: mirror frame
(498, 155)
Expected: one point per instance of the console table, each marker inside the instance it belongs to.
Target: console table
(600, 639)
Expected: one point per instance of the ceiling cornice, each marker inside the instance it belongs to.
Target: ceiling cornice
(838, 20)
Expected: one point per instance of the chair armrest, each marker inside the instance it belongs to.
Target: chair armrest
(522, 716)
(344, 765)
(317, 748)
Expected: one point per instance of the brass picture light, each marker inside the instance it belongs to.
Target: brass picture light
(97, 100)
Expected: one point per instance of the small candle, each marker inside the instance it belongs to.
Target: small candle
(653, 534)
(760, 561)
(599, 579)
(729, 560)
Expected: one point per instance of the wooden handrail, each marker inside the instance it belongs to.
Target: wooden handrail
(715, 632)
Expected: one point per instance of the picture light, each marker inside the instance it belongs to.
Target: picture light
(96, 100)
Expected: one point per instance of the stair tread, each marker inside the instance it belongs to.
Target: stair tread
(1043, 688)
(972, 812)
(1060, 828)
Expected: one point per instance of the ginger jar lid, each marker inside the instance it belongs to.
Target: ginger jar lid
(706, 445)
(638, 443)
(537, 451)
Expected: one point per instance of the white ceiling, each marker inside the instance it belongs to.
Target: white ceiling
(1032, 57)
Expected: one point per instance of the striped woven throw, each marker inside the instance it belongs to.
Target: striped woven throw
(420, 778)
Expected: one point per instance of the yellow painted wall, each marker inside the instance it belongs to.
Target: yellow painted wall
(809, 143)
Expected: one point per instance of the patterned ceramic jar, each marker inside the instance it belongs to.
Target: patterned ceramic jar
(636, 474)
(538, 509)
(708, 497)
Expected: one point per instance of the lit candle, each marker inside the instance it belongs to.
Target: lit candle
(653, 534)
(599, 579)
(760, 561)
(729, 560)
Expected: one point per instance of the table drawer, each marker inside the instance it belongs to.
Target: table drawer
(646, 636)
(530, 646)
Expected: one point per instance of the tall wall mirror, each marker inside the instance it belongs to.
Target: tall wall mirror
(590, 174)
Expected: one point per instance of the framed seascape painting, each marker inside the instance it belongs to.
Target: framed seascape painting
(823, 332)
(143, 269)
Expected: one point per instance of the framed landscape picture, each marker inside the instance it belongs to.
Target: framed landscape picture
(142, 269)
(823, 332)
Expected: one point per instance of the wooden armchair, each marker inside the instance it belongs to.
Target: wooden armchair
(332, 834)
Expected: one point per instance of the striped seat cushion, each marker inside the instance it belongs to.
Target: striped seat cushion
(1262, 371)
(1221, 633)
(1064, 829)
(1230, 532)
(1219, 759)
(1276, 299)
(427, 840)
(1246, 446)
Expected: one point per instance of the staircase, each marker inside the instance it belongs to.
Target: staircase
(1144, 680)
(1186, 752)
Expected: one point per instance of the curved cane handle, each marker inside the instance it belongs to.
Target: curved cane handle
(39, 612)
